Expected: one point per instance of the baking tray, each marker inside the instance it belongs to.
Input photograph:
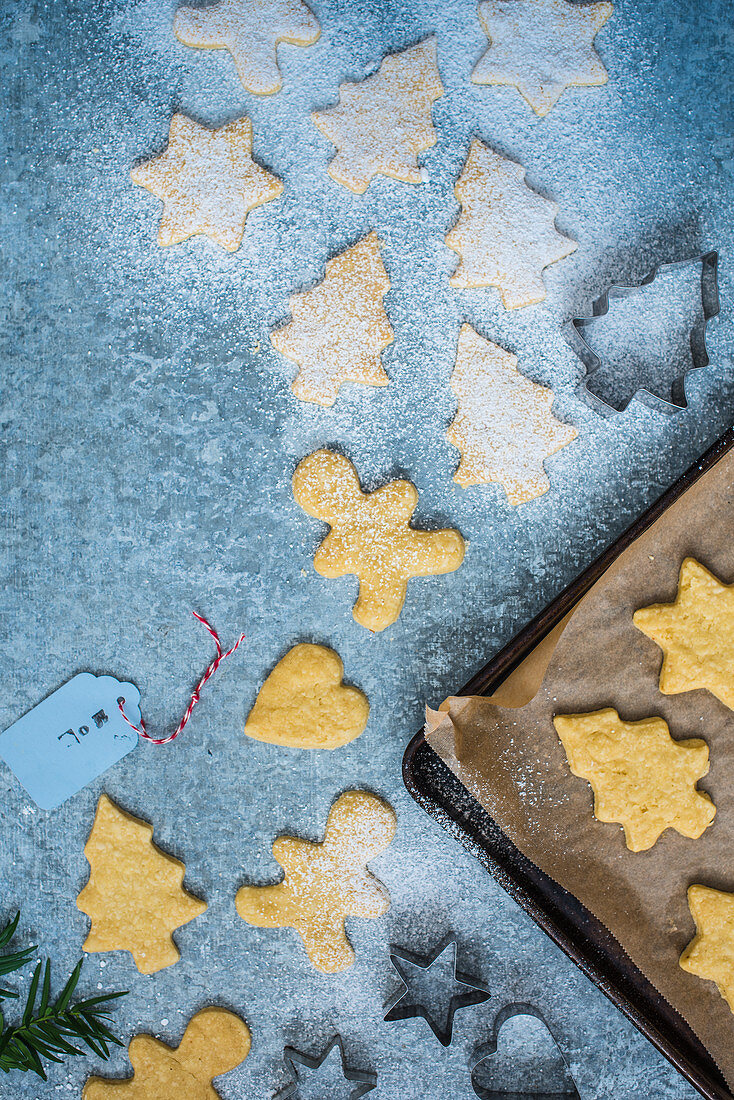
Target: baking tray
(568, 923)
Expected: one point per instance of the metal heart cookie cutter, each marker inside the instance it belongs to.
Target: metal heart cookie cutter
(522, 1060)
(644, 340)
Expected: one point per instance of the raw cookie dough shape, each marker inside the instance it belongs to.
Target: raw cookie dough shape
(504, 427)
(522, 1060)
(645, 340)
(251, 30)
(318, 1070)
(215, 1042)
(541, 47)
(641, 778)
(208, 182)
(382, 123)
(304, 704)
(340, 327)
(134, 896)
(371, 536)
(505, 234)
(710, 954)
(325, 883)
(696, 634)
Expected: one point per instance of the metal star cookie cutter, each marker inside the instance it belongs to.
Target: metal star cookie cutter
(402, 1007)
(555, 1081)
(611, 392)
(362, 1080)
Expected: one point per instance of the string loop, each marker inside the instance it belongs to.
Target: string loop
(196, 693)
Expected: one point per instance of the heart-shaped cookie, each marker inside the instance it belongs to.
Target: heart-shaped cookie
(304, 704)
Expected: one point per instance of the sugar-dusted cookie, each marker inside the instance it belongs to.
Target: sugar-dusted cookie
(541, 47)
(340, 327)
(371, 535)
(504, 426)
(208, 182)
(325, 883)
(506, 233)
(251, 30)
(641, 777)
(215, 1042)
(710, 954)
(304, 704)
(696, 634)
(134, 895)
(381, 124)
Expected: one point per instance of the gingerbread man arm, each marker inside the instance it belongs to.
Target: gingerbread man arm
(428, 553)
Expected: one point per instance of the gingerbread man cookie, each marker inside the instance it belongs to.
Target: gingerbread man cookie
(696, 634)
(340, 327)
(251, 30)
(371, 536)
(208, 182)
(328, 882)
(641, 778)
(215, 1042)
(135, 895)
(304, 704)
(381, 124)
(710, 954)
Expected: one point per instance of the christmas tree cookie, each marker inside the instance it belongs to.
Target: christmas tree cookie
(304, 703)
(505, 234)
(504, 427)
(641, 777)
(541, 47)
(340, 327)
(695, 633)
(381, 124)
(251, 30)
(371, 536)
(215, 1042)
(710, 954)
(208, 182)
(135, 895)
(328, 882)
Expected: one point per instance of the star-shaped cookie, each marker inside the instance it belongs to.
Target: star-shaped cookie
(340, 326)
(541, 47)
(641, 778)
(504, 426)
(696, 634)
(208, 182)
(381, 124)
(710, 954)
(506, 233)
(251, 30)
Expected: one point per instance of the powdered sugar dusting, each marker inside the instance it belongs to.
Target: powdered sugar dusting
(504, 426)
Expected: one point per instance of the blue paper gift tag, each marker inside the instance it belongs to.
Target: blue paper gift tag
(71, 737)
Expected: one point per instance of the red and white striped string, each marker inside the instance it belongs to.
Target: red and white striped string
(197, 690)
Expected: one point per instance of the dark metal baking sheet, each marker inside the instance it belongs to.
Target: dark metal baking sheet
(583, 938)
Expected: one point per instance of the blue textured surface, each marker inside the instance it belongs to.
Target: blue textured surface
(149, 436)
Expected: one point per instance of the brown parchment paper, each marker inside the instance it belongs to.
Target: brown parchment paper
(513, 763)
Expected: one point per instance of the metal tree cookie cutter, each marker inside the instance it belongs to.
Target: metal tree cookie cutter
(653, 341)
(415, 971)
(362, 1081)
(501, 1070)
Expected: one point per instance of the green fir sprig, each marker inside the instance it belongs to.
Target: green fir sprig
(49, 1028)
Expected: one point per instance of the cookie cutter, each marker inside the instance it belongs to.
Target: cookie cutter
(575, 335)
(402, 1007)
(558, 1090)
(362, 1080)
